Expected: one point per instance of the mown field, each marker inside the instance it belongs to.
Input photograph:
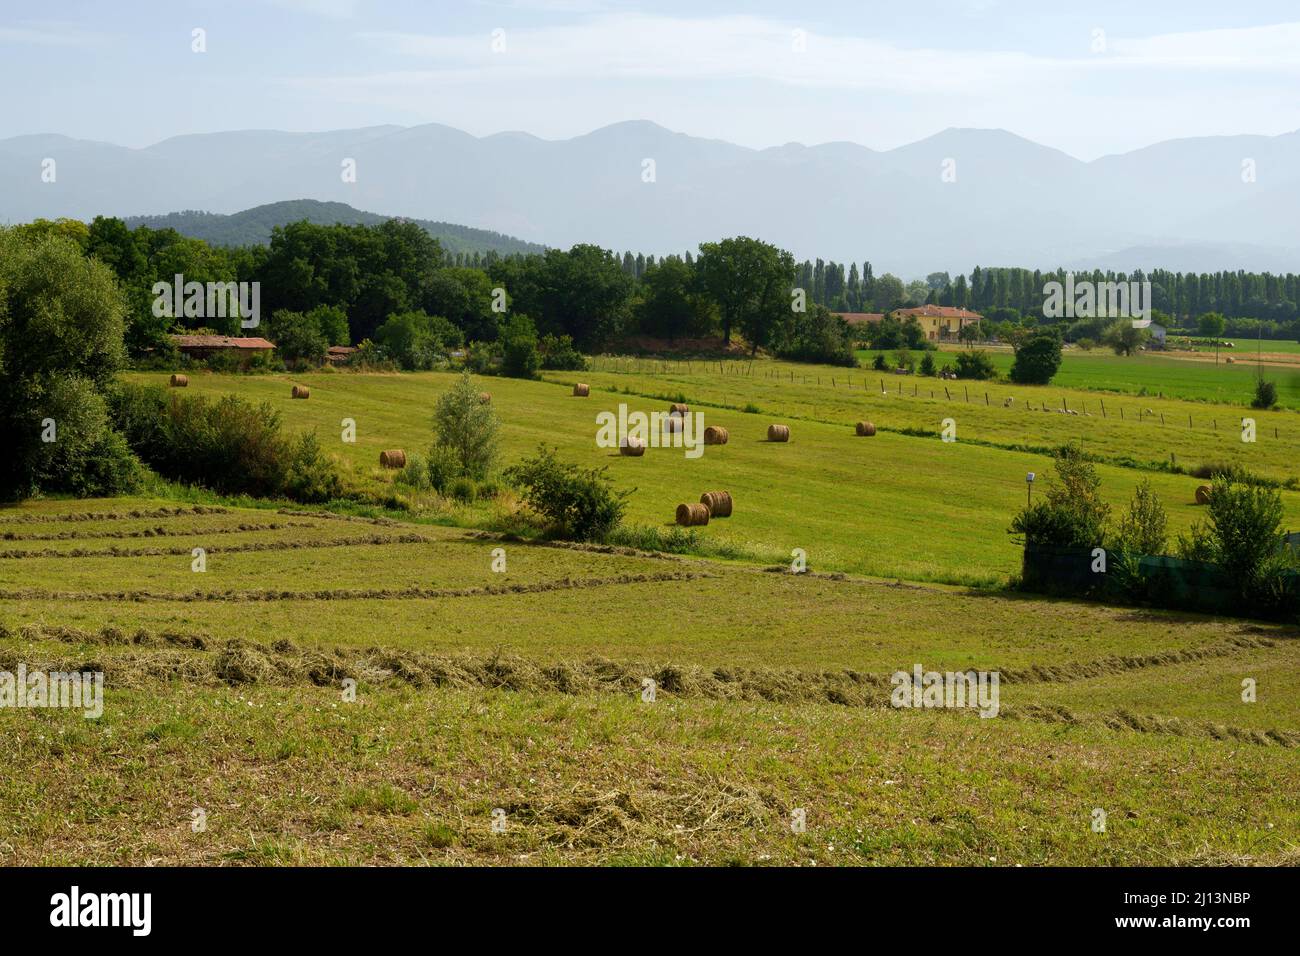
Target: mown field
(903, 504)
(521, 691)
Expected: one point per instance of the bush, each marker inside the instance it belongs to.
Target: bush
(463, 489)
(879, 363)
(818, 335)
(577, 504)
(927, 365)
(1143, 529)
(1244, 537)
(443, 466)
(1072, 513)
(416, 341)
(558, 353)
(230, 446)
(298, 337)
(1037, 360)
(1265, 394)
(467, 427)
(312, 476)
(416, 473)
(976, 365)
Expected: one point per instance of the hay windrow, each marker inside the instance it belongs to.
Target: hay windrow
(160, 531)
(111, 515)
(354, 594)
(250, 546)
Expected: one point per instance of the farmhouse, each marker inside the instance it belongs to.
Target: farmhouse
(338, 354)
(206, 346)
(939, 322)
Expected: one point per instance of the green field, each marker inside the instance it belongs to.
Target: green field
(227, 690)
(1173, 375)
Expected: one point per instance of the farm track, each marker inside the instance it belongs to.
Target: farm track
(352, 594)
(202, 659)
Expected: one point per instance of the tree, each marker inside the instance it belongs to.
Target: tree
(467, 428)
(670, 306)
(750, 281)
(298, 337)
(1037, 359)
(417, 341)
(62, 319)
(520, 357)
(586, 294)
(1211, 325)
(889, 293)
(1124, 338)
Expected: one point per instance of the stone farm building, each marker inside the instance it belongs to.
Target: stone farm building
(206, 346)
(941, 323)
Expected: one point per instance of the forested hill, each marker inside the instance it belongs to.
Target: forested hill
(253, 226)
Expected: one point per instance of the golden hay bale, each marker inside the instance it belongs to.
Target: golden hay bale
(866, 429)
(485, 398)
(693, 514)
(630, 445)
(582, 389)
(778, 432)
(301, 391)
(677, 408)
(718, 503)
(673, 423)
(1230, 360)
(715, 435)
(180, 381)
(1203, 495)
(393, 458)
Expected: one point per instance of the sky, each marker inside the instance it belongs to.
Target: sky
(1089, 78)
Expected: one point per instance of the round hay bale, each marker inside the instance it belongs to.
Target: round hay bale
(718, 503)
(485, 398)
(180, 381)
(715, 435)
(630, 445)
(866, 429)
(301, 391)
(582, 389)
(677, 408)
(393, 458)
(1229, 359)
(673, 423)
(692, 514)
(1203, 495)
(778, 432)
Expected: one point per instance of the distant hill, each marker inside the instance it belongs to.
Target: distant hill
(253, 226)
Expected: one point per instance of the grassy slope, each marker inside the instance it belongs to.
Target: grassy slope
(894, 505)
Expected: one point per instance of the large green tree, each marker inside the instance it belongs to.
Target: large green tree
(750, 280)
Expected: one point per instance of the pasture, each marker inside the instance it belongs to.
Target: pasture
(371, 688)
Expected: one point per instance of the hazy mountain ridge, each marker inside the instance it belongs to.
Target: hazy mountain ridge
(1010, 202)
(253, 226)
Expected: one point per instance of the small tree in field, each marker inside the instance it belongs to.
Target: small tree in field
(466, 426)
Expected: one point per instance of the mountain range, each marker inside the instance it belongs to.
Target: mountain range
(253, 226)
(960, 198)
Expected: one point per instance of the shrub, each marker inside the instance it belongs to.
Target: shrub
(1243, 536)
(818, 335)
(416, 472)
(298, 337)
(927, 365)
(976, 365)
(443, 467)
(558, 353)
(1037, 359)
(1265, 394)
(577, 504)
(312, 476)
(1143, 529)
(1072, 513)
(879, 363)
(466, 426)
(462, 489)
(417, 341)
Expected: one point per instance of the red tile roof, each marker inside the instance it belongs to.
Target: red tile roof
(219, 342)
(941, 312)
(860, 318)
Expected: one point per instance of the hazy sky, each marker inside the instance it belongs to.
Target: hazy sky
(1088, 78)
